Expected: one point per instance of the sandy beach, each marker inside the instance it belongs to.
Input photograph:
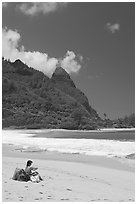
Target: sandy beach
(67, 177)
(68, 102)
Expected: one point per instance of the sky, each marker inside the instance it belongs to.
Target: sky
(93, 42)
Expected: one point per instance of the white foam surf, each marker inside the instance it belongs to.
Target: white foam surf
(102, 147)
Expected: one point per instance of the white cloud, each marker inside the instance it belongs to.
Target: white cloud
(113, 28)
(70, 63)
(34, 8)
(4, 4)
(40, 61)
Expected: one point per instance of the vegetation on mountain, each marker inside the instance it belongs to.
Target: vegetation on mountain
(126, 122)
(31, 100)
(62, 81)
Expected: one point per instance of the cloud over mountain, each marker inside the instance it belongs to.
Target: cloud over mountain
(69, 63)
(35, 8)
(40, 61)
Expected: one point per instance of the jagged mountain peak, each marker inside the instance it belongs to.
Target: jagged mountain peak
(60, 76)
(18, 62)
(63, 81)
(60, 71)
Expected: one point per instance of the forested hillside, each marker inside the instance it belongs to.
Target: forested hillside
(32, 100)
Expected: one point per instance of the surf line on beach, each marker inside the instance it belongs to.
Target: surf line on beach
(26, 140)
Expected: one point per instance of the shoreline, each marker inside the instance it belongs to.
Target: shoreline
(77, 134)
(66, 130)
(67, 177)
(124, 164)
(29, 141)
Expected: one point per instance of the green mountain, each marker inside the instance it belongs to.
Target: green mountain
(32, 100)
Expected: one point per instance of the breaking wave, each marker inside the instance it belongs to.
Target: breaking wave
(101, 147)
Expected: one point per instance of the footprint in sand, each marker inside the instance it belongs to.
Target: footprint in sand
(64, 199)
(130, 199)
(20, 197)
(68, 189)
(49, 197)
(36, 199)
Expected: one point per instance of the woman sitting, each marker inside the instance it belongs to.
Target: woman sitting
(32, 173)
(29, 174)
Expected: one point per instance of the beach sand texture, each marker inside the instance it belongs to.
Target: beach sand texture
(67, 181)
(66, 177)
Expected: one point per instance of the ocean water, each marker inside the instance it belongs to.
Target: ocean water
(108, 144)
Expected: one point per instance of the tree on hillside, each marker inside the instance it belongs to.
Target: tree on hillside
(78, 115)
(127, 121)
(105, 116)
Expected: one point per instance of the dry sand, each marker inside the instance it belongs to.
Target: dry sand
(67, 178)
